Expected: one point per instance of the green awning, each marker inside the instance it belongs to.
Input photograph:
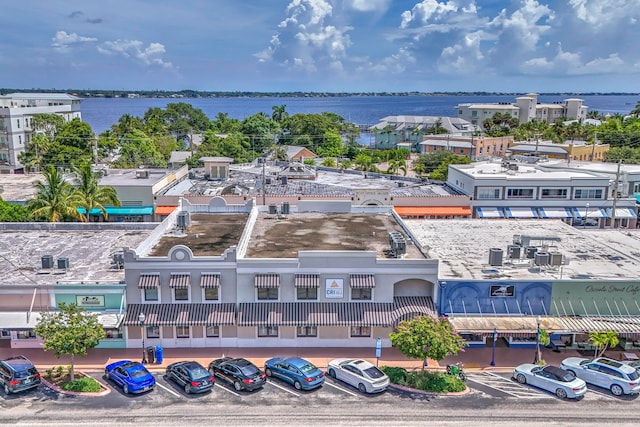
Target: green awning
(139, 210)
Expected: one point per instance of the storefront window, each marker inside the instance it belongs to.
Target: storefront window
(182, 331)
(153, 332)
(267, 331)
(26, 335)
(307, 331)
(213, 331)
(360, 331)
(113, 334)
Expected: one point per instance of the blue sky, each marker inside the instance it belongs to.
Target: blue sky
(322, 45)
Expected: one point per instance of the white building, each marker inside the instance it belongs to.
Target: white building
(17, 111)
(525, 109)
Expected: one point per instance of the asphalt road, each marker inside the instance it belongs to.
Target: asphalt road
(335, 404)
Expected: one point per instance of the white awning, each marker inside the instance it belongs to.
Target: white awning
(590, 213)
(490, 212)
(622, 213)
(24, 320)
(521, 213)
(555, 213)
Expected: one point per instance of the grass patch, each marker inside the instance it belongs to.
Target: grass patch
(85, 385)
(435, 382)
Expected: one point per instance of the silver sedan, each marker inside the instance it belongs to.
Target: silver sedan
(359, 373)
(551, 378)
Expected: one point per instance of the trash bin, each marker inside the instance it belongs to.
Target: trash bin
(151, 355)
(158, 354)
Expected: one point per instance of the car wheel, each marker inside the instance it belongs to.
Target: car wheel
(332, 373)
(297, 385)
(617, 390)
(125, 389)
(268, 372)
(572, 373)
(561, 393)
(187, 388)
(106, 374)
(521, 379)
(6, 389)
(362, 388)
(237, 385)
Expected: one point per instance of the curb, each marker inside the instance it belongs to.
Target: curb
(54, 387)
(410, 390)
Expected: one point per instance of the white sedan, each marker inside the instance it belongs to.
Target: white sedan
(551, 378)
(359, 373)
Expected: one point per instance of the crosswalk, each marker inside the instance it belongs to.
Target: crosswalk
(506, 386)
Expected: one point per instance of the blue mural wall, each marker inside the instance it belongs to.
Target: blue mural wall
(491, 298)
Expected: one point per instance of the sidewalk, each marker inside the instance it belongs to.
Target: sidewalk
(473, 359)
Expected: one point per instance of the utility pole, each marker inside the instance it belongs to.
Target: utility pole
(264, 184)
(615, 195)
(593, 147)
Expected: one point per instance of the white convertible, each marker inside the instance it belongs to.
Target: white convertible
(359, 373)
(551, 378)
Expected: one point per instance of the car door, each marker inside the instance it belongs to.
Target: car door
(179, 375)
(537, 378)
(120, 375)
(229, 373)
(282, 371)
(4, 374)
(352, 375)
(590, 373)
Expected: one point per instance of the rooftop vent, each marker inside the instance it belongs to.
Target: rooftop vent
(142, 174)
(47, 261)
(495, 257)
(63, 263)
(183, 219)
(118, 260)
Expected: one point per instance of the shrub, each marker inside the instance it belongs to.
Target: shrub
(59, 370)
(396, 375)
(435, 382)
(86, 384)
(49, 372)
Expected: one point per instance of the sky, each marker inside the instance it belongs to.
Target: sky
(322, 45)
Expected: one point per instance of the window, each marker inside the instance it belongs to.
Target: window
(520, 193)
(474, 113)
(182, 331)
(26, 335)
(588, 193)
(554, 193)
(211, 294)
(113, 334)
(151, 294)
(181, 294)
(307, 293)
(213, 331)
(360, 331)
(267, 331)
(153, 332)
(18, 123)
(488, 193)
(361, 293)
(267, 293)
(307, 331)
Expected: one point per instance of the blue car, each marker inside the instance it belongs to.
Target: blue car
(295, 370)
(133, 377)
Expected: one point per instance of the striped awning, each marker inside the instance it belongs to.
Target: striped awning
(149, 281)
(521, 212)
(181, 314)
(307, 281)
(210, 280)
(362, 280)
(180, 280)
(487, 212)
(334, 313)
(270, 280)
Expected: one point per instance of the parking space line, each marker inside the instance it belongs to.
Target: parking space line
(282, 388)
(341, 389)
(600, 393)
(226, 389)
(168, 389)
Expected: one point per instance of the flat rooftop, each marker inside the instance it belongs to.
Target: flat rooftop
(283, 236)
(492, 170)
(90, 255)
(19, 187)
(463, 246)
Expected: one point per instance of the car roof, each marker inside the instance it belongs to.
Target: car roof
(191, 364)
(623, 367)
(555, 370)
(298, 362)
(18, 362)
(360, 363)
(241, 362)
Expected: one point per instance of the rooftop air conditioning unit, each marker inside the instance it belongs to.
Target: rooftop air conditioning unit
(63, 263)
(47, 261)
(142, 173)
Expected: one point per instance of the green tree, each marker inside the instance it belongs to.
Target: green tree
(183, 120)
(10, 212)
(55, 200)
(89, 195)
(70, 331)
(603, 340)
(137, 150)
(426, 337)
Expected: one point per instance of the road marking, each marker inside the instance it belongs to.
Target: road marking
(600, 393)
(508, 386)
(341, 389)
(282, 388)
(168, 389)
(226, 389)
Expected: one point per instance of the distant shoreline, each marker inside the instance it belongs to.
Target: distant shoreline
(95, 93)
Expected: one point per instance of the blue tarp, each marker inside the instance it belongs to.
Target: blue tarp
(131, 211)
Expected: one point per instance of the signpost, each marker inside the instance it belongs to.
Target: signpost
(378, 349)
(493, 349)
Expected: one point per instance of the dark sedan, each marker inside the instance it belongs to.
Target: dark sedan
(239, 372)
(191, 375)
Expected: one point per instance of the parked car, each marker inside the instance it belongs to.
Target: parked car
(18, 373)
(359, 373)
(634, 364)
(243, 374)
(616, 376)
(302, 374)
(133, 377)
(551, 378)
(191, 375)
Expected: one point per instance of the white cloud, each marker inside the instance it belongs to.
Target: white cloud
(368, 5)
(62, 41)
(571, 63)
(134, 49)
(463, 58)
(429, 11)
(602, 14)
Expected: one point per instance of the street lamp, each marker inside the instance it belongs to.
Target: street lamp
(537, 358)
(493, 349)
(141, 318)
(586, 215)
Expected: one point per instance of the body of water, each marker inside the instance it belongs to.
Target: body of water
(101, 113)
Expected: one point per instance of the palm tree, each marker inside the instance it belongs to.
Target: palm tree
(603, 340)
(90, 195)
(55, 199)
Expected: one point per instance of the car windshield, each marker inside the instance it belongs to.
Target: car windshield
(197, 373)
(138, 373)
(568, 377)
(308, 368)
(374, 372)
(27, 373)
